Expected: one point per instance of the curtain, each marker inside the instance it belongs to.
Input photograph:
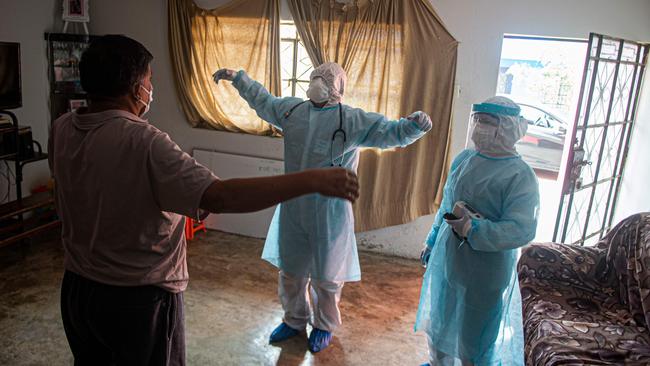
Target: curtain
(399, 58)
(242, 34)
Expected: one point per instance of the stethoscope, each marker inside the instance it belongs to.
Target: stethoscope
(338, 132)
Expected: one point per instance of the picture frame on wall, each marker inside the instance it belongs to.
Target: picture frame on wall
(75, 11)
(77, 103)
(65, 52)
(64, 55)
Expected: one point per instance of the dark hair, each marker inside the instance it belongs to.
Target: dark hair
(112, 65)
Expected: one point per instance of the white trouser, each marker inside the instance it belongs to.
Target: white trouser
(325, 297)
(437, 358)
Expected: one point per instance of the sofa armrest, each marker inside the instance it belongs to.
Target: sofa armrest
(553, 264)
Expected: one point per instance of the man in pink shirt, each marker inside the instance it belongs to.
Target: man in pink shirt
(123, 188)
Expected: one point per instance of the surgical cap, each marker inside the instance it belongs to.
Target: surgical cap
(335, 79)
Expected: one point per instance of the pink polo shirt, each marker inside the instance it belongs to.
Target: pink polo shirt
(122, 188)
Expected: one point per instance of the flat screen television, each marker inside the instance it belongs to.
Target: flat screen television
(10, 88)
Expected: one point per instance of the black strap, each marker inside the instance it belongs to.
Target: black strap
(286, 115)
(340, 117)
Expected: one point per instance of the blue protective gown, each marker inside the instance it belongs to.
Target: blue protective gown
(470, 304)
(313, 235)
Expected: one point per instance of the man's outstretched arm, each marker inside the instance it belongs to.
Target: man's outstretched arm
(254, 194)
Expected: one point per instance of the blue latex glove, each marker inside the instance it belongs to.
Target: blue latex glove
(422, 119)
(425, 255)
(461, 226)
(225, 74)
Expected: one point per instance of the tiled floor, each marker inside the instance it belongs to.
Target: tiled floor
(231, 308)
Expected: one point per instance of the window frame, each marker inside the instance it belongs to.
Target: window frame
(295, 43)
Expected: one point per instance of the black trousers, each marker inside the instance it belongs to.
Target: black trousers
(114, 325)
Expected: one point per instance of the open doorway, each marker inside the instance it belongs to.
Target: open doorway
(543, 76)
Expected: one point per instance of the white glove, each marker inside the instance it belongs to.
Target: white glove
(225, 74)
(461, 226)
(422, 119)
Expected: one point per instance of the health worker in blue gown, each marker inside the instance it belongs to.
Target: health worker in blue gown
(311, 239)
(470, 305)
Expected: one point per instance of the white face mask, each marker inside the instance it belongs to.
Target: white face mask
(485, 138)
(498, 139)
(318, 92)
(147, 105)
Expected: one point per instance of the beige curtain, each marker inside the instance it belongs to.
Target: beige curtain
(243, 34)
(399, 58)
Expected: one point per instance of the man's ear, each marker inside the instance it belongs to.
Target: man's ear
(135, 91)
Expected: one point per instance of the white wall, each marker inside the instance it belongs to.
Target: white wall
(478, 25)
(634, 196)
(26, 21)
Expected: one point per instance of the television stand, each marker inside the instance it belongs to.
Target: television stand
(13, 226)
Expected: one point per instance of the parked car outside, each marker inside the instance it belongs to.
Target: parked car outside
(543, 144)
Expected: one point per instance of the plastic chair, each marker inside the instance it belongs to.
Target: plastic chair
(192, 226)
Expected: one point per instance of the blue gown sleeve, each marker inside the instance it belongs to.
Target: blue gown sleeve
(518, 223)
(375, 130)
(268, 107)
(446, 204)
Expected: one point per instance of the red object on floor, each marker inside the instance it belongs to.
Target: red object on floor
(192, 226)
(530, 139)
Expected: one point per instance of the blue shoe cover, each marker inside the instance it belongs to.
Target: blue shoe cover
(283, 332)
(319, 340)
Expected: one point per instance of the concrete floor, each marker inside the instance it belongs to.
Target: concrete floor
(231, 307)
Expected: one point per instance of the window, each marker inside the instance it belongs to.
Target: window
(295, 63)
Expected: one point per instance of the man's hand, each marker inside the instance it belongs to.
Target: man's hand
(225, 74)
(336, 182)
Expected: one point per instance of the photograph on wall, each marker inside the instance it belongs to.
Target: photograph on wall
(66, 56)
(75, 11)
(77, 103)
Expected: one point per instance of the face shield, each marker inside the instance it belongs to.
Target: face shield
(496, 126)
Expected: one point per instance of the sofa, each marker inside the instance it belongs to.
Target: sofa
(589, 305)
